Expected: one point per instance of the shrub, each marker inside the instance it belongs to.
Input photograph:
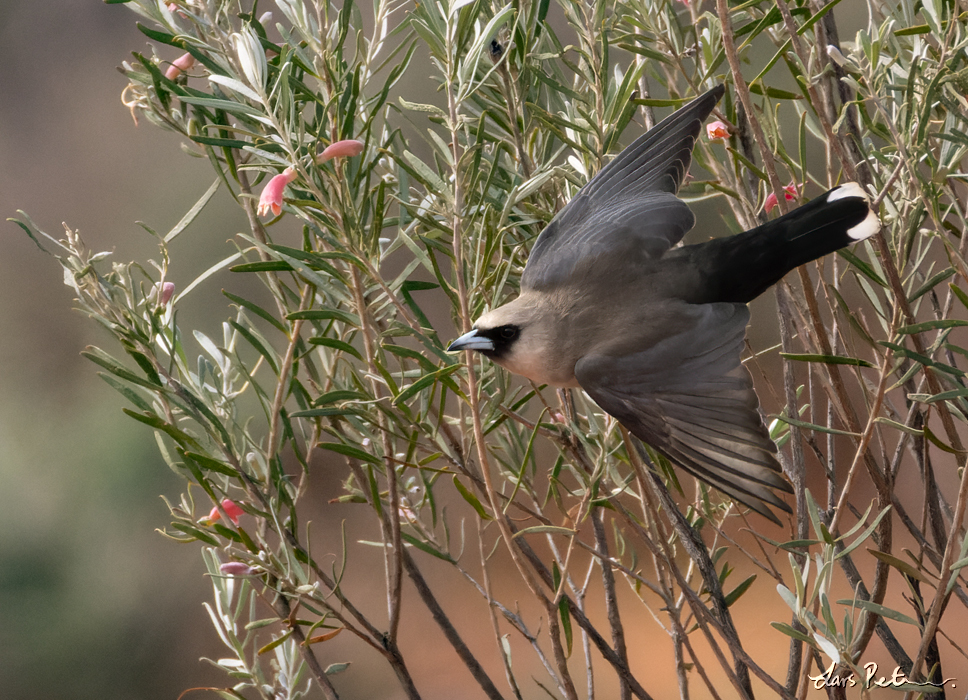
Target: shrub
(413, 210)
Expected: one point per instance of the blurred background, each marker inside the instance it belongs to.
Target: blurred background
(94, 603)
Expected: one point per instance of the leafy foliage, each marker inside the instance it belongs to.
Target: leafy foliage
(345, 369)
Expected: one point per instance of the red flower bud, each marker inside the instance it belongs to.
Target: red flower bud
(167, 292)
(182, 63)
(790, 192)
(237, 568)
(341, 149)
(231, 508)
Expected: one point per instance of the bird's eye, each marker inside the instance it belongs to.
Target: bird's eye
(508, 332)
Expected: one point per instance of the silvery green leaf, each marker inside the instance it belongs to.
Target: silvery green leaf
(236, 86)
(827, 647)
(251, 57)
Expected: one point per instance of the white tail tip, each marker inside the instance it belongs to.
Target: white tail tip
(871, 224)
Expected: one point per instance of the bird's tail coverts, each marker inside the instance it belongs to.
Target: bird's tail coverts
(832, 221)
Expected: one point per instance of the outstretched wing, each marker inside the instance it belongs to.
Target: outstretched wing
(689, 397)
(630, 204)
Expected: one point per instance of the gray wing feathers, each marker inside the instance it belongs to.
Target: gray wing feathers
(659, 159)
(690, 398)
(615, 238)
(645, 175)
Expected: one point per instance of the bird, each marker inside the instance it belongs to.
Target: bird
(652, 332)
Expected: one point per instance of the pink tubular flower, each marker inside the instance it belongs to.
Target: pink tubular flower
(180, 64)
(237, 568)
(231, 508)
(789, 192)
(341, 149)
(271, 198)
(167, 292)
(716, 131)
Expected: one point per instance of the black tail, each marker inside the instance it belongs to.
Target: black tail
(740, 268)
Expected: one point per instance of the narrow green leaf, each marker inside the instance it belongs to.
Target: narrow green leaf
(256, 309)
(546, 529)
(775, 93)
(99, 357)
(339, 395)
(325, 412)
(336, 344)
(931, 325)
(150, 419)
(910, 31)
(426, 547)
(960, 293)
(192, 213)
(899, 426)
(790, 632)
(222, 264)
(424, 382)
(795, 546)
(209, 464)
(827, 359)
(425, 175)
(472, 499)
(931, 284)
(349, 451)
(29, 231)
(263, 266)
(145, 363)
(126, 392)
(937, 442)
(899, 564)
(864, 267)
(418, 107)
(879, 610)
(947, 395)
(789, 597)
(735, 594)
(862, 537)
(565, 616)
(330, 314)
(250, 336)
(197, 533)
(922, 359)
(413, 286)
(274, 643)
(236, 86)
(813, 426)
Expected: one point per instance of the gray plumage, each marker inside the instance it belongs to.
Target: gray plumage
(654, 334)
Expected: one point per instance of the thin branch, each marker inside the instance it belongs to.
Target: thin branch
(440, 617)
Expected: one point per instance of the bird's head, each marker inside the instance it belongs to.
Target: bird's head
(520, 336)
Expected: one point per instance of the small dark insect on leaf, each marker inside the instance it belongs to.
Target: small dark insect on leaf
(496, 50)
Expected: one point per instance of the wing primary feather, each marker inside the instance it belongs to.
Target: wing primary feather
(680, 128)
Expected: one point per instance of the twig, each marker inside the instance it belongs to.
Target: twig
(390, 519)
(611, 601)
(440, 617)
(742, 90)
(284, 381)
(281, 605)
(505, 661)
